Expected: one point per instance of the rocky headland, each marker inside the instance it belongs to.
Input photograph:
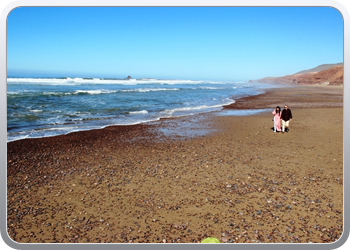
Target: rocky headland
(327, 74)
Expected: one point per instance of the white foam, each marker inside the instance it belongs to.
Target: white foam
(15, 138)
(186, 109)
(138, 112)
(210, 88)
(78, 80)
(148, 90)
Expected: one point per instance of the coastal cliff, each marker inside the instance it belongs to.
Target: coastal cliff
(332, 75)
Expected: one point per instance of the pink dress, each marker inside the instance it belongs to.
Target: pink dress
(277, 120)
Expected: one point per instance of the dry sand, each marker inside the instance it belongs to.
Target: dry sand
(239, 183)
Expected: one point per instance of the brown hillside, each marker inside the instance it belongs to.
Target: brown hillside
(331, 76)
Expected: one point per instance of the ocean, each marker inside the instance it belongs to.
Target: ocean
(42, 107)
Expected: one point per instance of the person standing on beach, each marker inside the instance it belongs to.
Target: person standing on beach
(286, 116)
(276, 119)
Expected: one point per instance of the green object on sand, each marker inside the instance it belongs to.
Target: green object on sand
(210, 240)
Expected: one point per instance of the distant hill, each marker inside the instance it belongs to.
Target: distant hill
(325, 74)
(320, 68)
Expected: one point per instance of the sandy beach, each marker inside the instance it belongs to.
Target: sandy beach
(238, 182)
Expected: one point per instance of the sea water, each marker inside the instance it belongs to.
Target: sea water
(42, 107)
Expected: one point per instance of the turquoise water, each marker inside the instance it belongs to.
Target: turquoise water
(41, 107)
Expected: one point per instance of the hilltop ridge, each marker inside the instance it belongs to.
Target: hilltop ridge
(325, 74)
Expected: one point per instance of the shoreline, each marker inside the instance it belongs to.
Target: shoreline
(267, 100)
(240, 182)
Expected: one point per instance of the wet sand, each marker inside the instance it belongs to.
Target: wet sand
(171, 182)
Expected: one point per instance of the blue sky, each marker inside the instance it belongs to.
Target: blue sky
(199, 43)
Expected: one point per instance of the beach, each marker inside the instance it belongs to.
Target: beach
(239, 182)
